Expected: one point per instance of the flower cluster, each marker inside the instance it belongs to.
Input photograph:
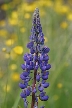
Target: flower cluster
(36, 62)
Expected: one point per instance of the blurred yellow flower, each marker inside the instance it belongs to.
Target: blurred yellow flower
(13, 21)
(27, 15)
(4, 49)
(56, 97)
(16, 2)
(41, 3)
(46, 39)
(9, 42)
(13, 66)
(22, 6)
(22, 30)
(13, 36)
(3, 33)
(15, 77)
(4, 7)
(49, 3)
(69, 17)
(28, 7)
(13, 55)
(57, 6)
(7, 88)
(64, 25)
(14, 15)
(2, 23)
(64, 9)
(18, 50)
(59, 85)
(7, 55)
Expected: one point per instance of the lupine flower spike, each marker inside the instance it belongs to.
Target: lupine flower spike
(36, 63)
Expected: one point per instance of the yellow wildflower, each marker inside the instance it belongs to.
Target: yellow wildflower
(18, 50)
(64, 25)
(59, 85)
(57, 7)
(7, 55)
(13, 21)
(64, 9)
(69, 17)
(7, 88)
(13, 66)
(45, 3)
(49, 3)
(4, 7)
(22, 30)
(42, 3)
(13, 55)
(16, 1)
(15, 77)
(29, 8)
(27, 15)
(9, 42)
(4, 49)
(3, 33)
(13, 36)
(22, 7)
(14, 15)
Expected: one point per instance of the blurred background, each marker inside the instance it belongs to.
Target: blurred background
(15, 27)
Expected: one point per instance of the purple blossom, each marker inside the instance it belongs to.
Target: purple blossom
(35, 62)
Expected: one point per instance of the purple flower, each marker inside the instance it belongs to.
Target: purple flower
(30, 44)
(38, 77)
(34, 90)
(40, 87)
(22, 86)
(45, 85)
(42, 107)
(23, 94)
(44, 98)
(23, 66)
(28, 91)
(37, 63)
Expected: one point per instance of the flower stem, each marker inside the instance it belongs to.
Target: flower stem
(34, 84)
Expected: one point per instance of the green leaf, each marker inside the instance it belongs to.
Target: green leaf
(17, 101)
